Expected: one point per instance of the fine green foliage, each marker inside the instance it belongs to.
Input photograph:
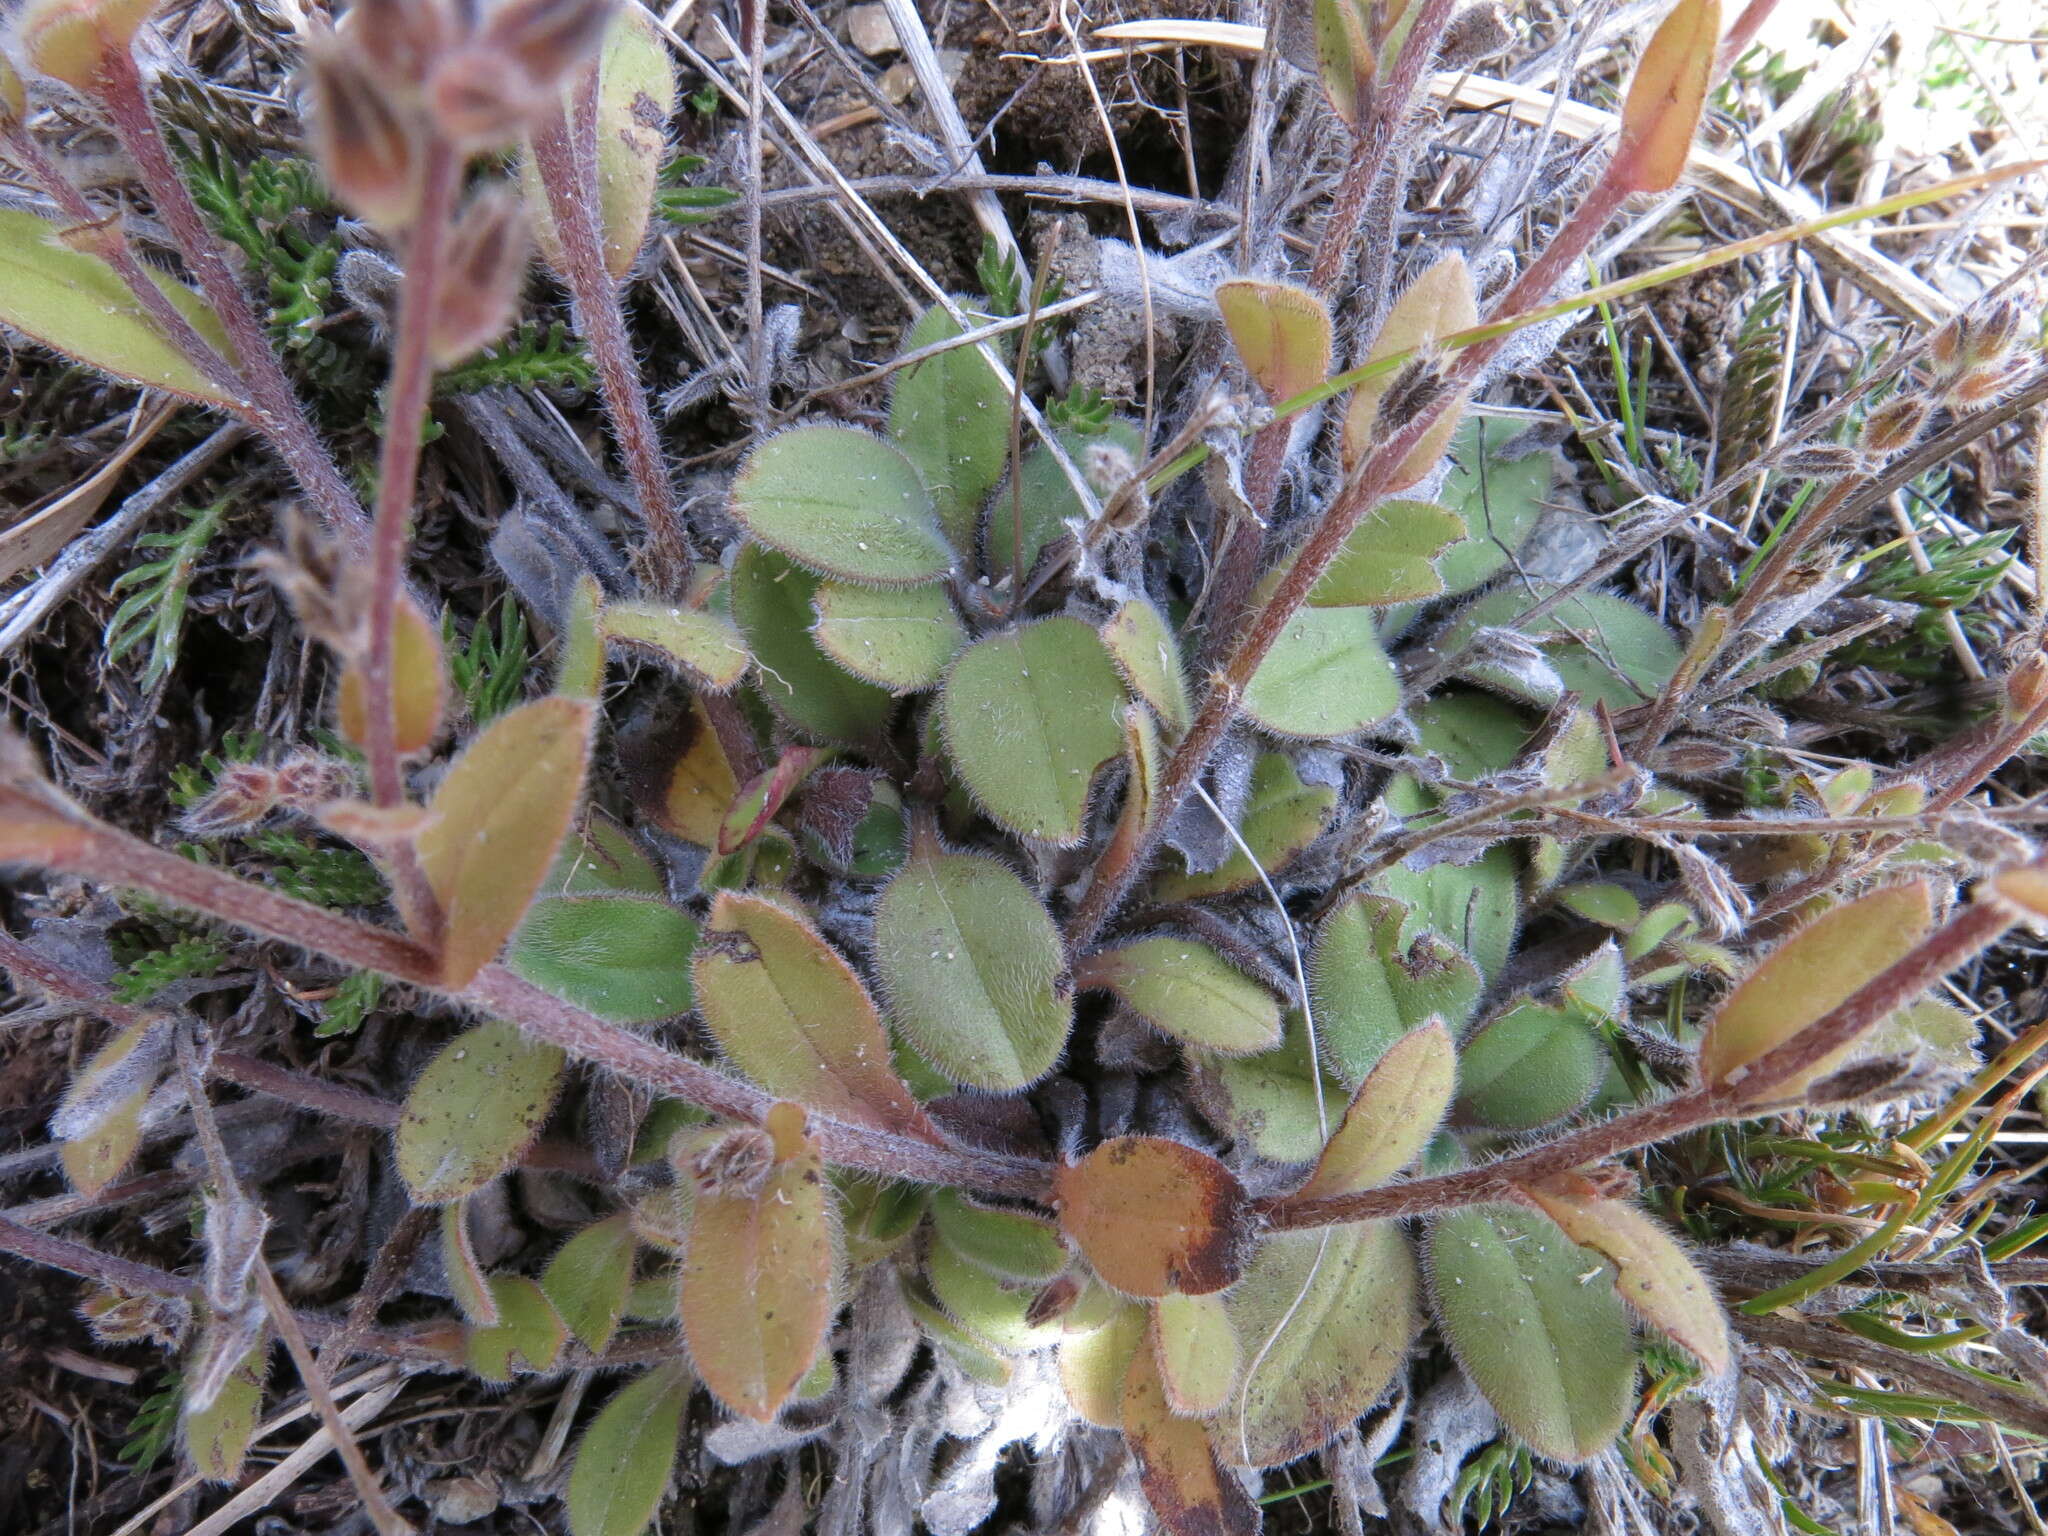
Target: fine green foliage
(153, 610)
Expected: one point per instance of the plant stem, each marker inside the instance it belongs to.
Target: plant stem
(1964, 935)
(116, 252)
(567, 172)
(412, 378)
(275, 408)
(1113, 879)
(114, 858)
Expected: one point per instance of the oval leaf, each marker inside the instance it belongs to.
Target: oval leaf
(1198, 1353)
(589, 1280)
(1154, 1216)
(972, 967)
(623, 958)
(772, 603)
(419, 686)
(842, 503)
(1651, 1271)
(475, 1110)
(624, 1459)
(1370, 990)
(1390, 557)
(1809, 973)
(1006, 1243)
(950, 415)
(217, 1437)
(1187, 1487)
(76, 304)
(1282, 334)
(1392, 1116)
(1665, 96)
(1185, 989)
(1544, 1339)
(1531, 1065)
(701, 645)
(495, 823)
(896, 638)
(1094, 1363)
(757, 1282)
(1499, 499)
(995, 1311)
(1341, 1335)
(1029, 715)
(789, 1012)
(1327, 675)
(1143, 646)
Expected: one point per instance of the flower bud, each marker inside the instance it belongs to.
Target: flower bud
(1822, 461)
(74, 40)
(367, 146)
(1894, 425)
(487, 257)
(1945, 346)
(1992, 333)
(403, 39)
(482, 97)
(1985, 384)
(549, 39)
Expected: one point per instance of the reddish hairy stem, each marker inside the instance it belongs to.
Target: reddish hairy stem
(275, 408)
(1964, 935)
(169, 319)
(412, 378)
(568, 175)
(1113, 880)
(115, 858)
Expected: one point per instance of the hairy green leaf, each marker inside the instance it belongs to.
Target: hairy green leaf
(1326, 1319)
(772, 601)
(896, 638)
(1185, 989)
(1535, 1321)
(1326, 675)
(1143, 646)
(475, 1110)
(971, 966)
(844, 504)
(1392, 1116)
(1371, 985)
(950, 415)
(75, 303)
(787, 1010)
(624, 1459)
(1029, 716)
(589, 1278)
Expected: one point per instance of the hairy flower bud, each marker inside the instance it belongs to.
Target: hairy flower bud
(549, 39)
(73, 40)
(1945, 346)
(487, 258)
(1822, 461)
(367, 145)
(1984, 384)
(1992, 333)
(1894, 425)
(404, 39)
(482, 97)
